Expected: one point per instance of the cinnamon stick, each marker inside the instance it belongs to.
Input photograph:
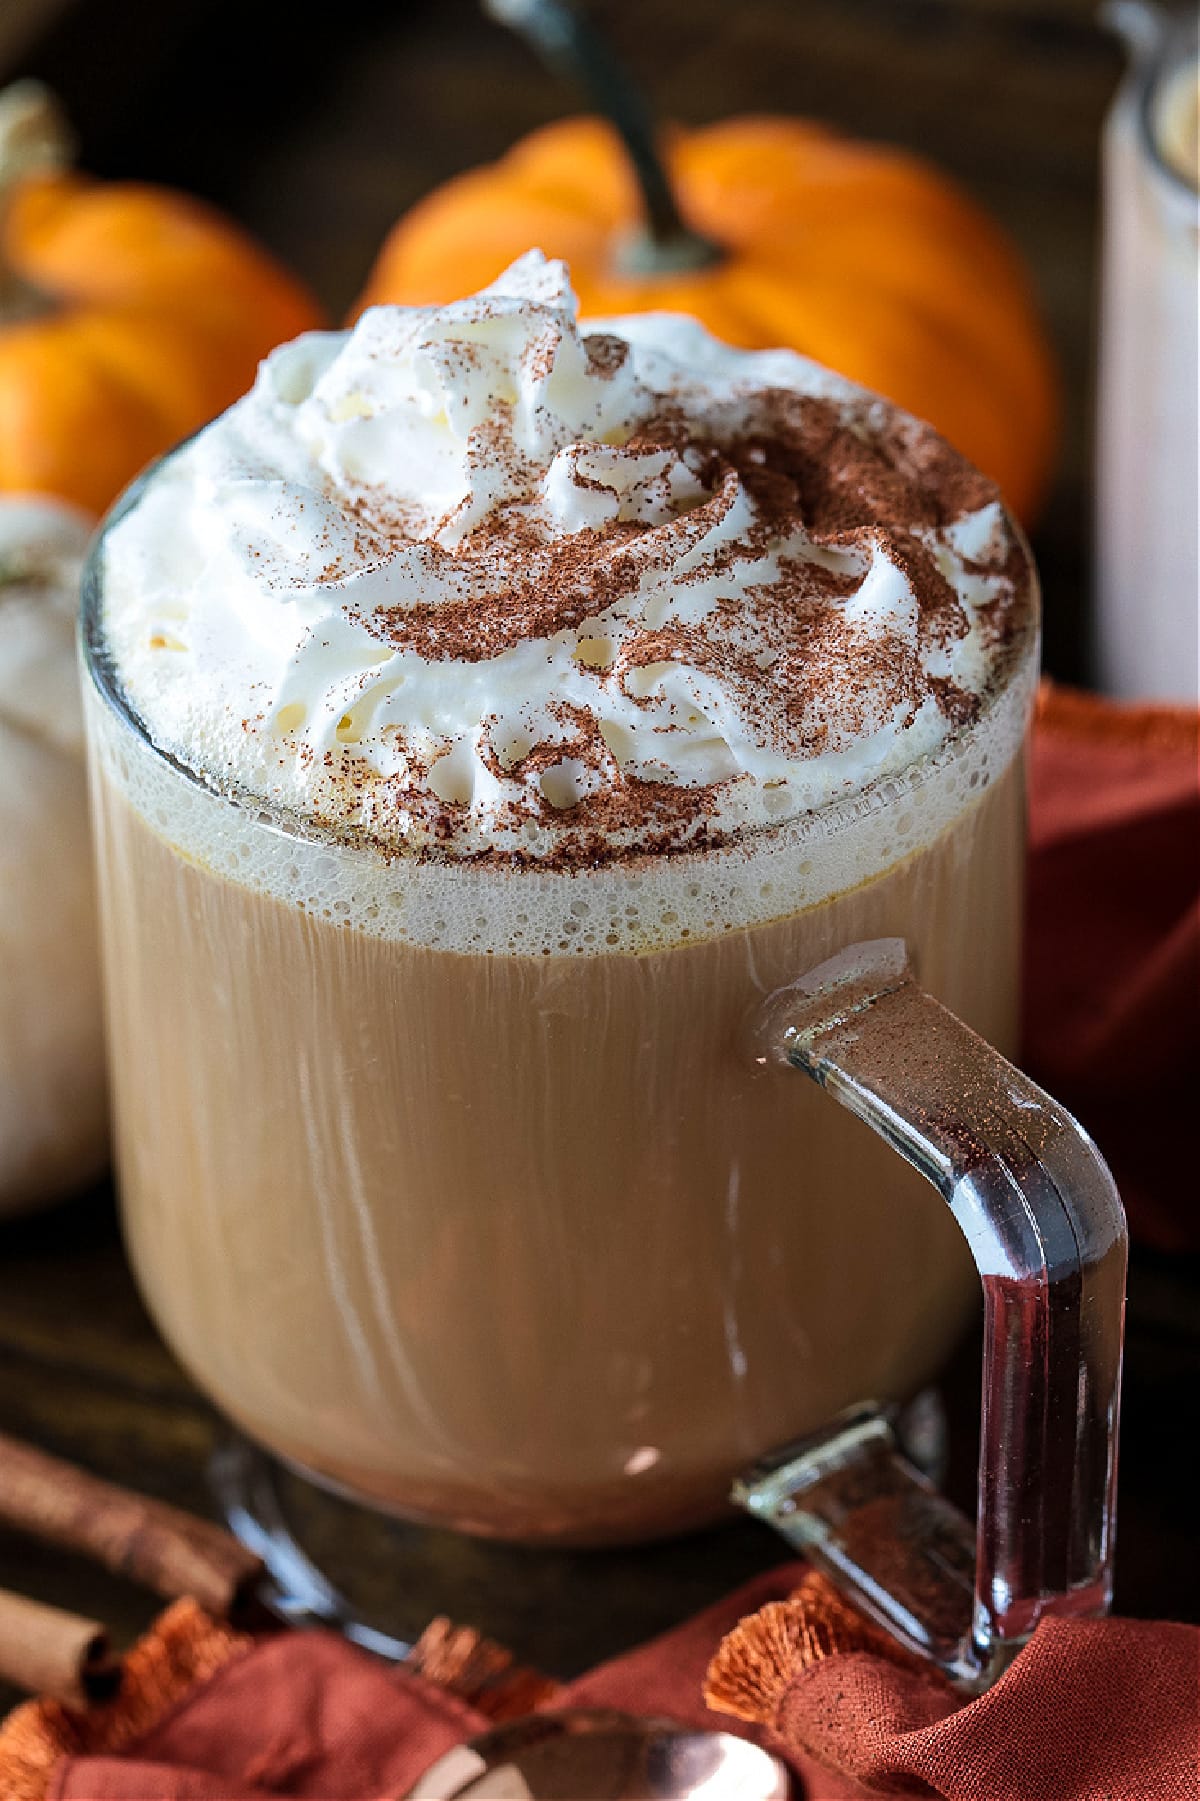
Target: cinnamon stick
(156, 1545)
(50, 1652)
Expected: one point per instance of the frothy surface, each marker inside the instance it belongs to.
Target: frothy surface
(474, 581)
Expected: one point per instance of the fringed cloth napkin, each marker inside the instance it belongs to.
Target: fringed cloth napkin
(1112, 952)
(1090, 1711)
(1103, 1711)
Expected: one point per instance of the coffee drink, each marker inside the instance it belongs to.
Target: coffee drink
(1147, 518)
(488, 713)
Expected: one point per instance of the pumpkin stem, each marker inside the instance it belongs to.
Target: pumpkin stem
(570, 44)
(35, 139)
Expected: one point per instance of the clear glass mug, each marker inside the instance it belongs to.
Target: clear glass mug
(1147, 521)
(480, 1197)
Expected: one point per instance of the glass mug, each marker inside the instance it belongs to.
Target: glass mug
(1147, 517)
(529, 1237)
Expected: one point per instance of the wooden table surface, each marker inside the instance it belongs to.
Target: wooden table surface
(318, 147)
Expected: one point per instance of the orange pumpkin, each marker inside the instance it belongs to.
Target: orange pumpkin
(863, 257)
(129, 315)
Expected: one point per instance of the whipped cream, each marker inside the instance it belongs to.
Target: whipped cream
(474, 580)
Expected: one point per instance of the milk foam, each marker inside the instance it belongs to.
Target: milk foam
(1177, 122)
(647, 904)
(313, 604)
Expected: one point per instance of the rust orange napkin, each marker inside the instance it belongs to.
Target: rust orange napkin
(1100, 1711)
(1112, 965)
(1095, 1710)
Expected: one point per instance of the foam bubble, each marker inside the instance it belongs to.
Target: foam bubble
(628, 907)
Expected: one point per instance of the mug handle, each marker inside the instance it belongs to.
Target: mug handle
(1041, 1215)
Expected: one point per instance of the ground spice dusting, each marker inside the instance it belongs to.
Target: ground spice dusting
(860, 482)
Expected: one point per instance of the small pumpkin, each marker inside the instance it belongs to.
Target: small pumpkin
(53, 1110)
(863, 257)
(129, 315)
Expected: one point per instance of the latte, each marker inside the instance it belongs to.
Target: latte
(488, 712)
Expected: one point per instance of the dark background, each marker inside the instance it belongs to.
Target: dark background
(316, 128)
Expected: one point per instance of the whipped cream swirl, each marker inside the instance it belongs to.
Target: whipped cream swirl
(476, 581)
